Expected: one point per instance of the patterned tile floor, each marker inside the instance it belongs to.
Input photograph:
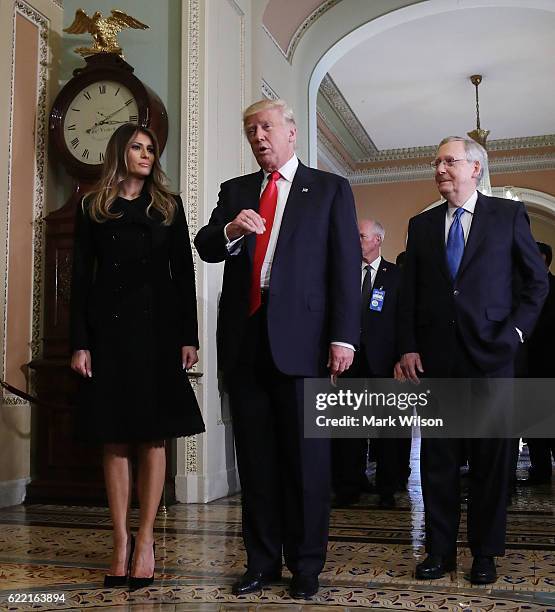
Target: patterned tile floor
(54, 558)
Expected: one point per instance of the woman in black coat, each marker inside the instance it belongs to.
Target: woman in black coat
(133, 335)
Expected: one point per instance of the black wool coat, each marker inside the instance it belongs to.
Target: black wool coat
(133, 305)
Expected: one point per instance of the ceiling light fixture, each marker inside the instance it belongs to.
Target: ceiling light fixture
(480, 136)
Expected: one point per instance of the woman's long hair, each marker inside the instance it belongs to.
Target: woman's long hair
(115, 171)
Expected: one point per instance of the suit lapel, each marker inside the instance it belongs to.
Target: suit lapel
(437, 237)
(478, 232)
(381, 274)
(299, 194)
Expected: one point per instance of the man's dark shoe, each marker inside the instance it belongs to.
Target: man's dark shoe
(387, 502)
(435, 566)
(345, 501)
(251, 582)
(303, 586)
(483, 570)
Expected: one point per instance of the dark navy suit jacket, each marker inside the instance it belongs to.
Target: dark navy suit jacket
(314, 293)
(485, 302)
(379, 329)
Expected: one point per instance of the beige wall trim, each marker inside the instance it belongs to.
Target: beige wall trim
(13, 492)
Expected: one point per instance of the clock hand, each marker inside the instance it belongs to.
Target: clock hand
(103, 121)
(112, 114)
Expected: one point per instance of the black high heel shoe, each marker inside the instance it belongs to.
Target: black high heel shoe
(136, 583)
(114, 582)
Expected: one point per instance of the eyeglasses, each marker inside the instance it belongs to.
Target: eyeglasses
(449, 162)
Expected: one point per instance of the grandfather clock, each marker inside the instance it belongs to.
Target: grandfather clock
(98, 99)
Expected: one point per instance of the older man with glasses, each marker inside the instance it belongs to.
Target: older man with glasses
(461, 316)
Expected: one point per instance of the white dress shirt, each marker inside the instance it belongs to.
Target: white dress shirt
(466, 217)
(374, 267)
(287, 171)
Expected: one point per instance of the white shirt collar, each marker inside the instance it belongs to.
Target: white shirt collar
(468, 206)
(288, 169)
(375, 265)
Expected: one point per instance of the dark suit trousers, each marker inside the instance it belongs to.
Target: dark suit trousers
(490, 461)
(540, 450)
(285, 478)
(349, 454)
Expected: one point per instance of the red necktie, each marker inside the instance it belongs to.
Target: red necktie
(267, 210)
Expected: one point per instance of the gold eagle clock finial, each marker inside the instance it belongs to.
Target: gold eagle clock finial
(104, 30)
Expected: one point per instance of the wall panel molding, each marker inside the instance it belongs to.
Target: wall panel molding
(191, 177)
(42, 24)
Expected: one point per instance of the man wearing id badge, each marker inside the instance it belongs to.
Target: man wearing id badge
(380, 282)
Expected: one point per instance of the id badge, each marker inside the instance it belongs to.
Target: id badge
(376, 301)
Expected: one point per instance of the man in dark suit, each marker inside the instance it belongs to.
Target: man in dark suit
(542, 365)
(289, 308)
(459, 318)
(376, 358)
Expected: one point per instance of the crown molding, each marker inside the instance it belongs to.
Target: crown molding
(391, 174)
(267, 91)
(301, 30)
(345, 114)
(321, 116)
(421, 172)
(517, 163)
(330, 92)
(332, 157)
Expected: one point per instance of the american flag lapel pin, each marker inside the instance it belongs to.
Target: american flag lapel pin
(305, 190)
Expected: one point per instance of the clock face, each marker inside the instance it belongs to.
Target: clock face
(93, 116)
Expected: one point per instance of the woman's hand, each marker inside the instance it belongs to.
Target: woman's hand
(81, 363)
(189, 356)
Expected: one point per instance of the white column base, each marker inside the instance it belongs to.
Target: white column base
(13, 492)
(194, 489)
